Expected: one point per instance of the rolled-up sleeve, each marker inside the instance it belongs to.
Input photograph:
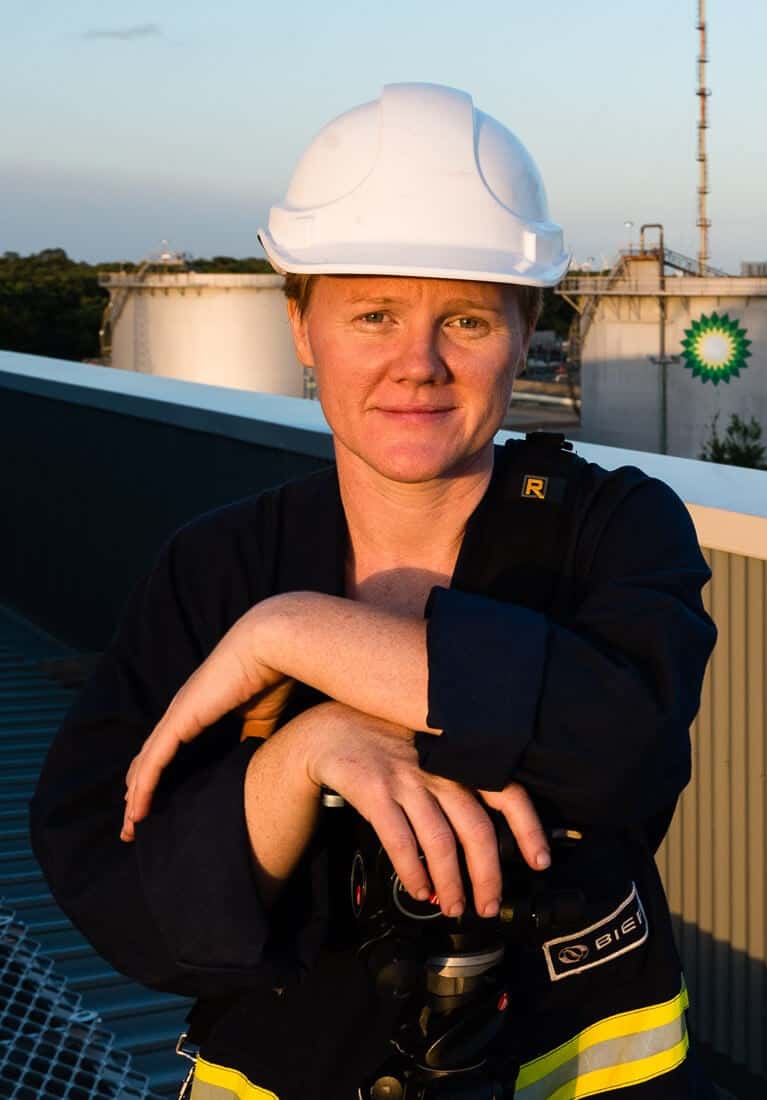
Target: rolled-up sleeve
(592, 712)
(487, 712)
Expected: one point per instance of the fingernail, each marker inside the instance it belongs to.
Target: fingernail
(455, 910)
(423, 894)
(491, 909)
(543, 860)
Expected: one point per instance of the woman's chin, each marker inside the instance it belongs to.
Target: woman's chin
(413, 465)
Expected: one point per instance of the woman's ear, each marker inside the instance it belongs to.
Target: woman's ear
(299, 329)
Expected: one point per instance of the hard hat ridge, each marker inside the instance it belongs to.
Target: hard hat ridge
(418, 182)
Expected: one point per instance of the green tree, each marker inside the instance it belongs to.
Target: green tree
(556, 314)
(50, 305)
(741, 444)
(229, 264)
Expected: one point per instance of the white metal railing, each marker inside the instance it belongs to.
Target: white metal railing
(187, 279)
(675, 286)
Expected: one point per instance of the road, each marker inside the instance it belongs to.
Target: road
(528, 417)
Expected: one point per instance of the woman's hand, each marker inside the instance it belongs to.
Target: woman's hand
(232, 676)
(373, 764)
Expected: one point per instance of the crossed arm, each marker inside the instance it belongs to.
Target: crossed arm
(590, 716)
(374, 665)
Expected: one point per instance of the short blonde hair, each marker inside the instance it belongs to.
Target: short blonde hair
(298, 289)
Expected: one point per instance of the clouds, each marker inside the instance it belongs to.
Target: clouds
(125, 34)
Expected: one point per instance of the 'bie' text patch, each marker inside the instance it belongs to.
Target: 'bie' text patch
(623, 930)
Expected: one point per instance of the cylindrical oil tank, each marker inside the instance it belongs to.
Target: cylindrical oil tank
(223, 330)
(622, 379)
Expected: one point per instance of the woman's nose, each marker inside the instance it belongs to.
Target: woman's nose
(419, 358)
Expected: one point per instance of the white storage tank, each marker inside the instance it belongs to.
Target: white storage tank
(629, 399)
(223, 330)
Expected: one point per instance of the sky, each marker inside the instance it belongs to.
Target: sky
(181, 120)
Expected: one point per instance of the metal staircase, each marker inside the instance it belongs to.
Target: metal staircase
(119, 294)
(114, 308)
(582, 319)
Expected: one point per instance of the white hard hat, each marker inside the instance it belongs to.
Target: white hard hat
(417, 182)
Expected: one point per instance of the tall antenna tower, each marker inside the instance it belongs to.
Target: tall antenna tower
(704, 222)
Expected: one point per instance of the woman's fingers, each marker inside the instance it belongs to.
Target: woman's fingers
(476, 833)
(205, 697)
(516, 806)
(189, 713)
(230, 676)
(143, 776)
(396, 835)
(438, 818)
(437, 840)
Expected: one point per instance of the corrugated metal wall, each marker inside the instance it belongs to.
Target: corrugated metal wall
(713, 861)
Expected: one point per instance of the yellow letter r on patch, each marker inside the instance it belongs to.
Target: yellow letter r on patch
(535, 487)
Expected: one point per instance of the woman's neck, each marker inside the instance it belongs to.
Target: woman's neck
(405, 538)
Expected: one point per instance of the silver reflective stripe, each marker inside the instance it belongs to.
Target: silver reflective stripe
(608, 1054)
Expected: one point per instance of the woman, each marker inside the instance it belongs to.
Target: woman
(415, 234)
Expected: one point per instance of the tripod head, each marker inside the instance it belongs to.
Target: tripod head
(448, 977)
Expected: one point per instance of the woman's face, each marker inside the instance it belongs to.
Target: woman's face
(414, 375)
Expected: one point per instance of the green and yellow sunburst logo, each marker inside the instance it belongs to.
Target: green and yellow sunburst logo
(715, 348)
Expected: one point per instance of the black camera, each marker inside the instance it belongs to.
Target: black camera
(447, 976)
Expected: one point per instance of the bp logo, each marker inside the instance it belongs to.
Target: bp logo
(715, 348)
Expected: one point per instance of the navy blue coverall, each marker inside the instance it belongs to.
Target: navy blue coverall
(589, 708)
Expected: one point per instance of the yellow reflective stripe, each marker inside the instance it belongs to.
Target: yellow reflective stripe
(231, 1080)
(619, 1077)
(614, 1027)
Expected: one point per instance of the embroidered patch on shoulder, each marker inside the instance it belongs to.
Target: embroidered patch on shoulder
(540, 487)
(620, 931)
(534, 487)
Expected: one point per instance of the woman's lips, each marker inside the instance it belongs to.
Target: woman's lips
(415, 414)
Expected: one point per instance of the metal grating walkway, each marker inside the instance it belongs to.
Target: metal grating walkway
(142, 1025)
(50, 1046)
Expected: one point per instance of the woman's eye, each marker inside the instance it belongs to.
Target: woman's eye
(374, 318)
(469, 324)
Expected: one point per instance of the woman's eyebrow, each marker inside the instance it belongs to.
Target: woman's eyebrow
(471, 303)
(452, 305)
(373, 300)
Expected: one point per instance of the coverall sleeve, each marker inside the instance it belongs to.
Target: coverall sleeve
(591, 714)
(179, 908)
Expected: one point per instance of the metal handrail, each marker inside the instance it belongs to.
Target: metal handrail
(596, 285)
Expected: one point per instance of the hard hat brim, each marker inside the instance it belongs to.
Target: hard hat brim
(422, 261)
